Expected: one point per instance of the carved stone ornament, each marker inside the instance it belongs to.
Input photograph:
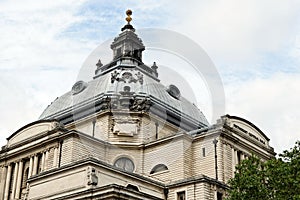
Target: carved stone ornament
(140, 104)
(99, 64)
(125, 126)
(114, 76)
(140, 77)
(114, 103)
(92, 177)
(127, 77)
(78, 87)
(57, 125)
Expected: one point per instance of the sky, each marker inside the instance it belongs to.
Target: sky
(254, 45)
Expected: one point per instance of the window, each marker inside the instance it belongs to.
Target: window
(159, 168)
(239, 156)
(181, 195)
(219, 196)
(118, 54)
(125, 164)
(203, 152)
(132, 187)
(136, 54)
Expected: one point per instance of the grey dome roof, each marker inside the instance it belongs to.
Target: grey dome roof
(125, 83)
(102, 86)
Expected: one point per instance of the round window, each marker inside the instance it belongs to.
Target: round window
(173, 91)
(124, 164)
(78, 87)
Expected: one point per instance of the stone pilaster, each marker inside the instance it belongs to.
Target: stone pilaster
(236, 157)
(7, 182)
(19, 180)
(43, 161)
(233, 161)
(46, 159)
(30, 166)
(242, 156)
(55, 158)
(2, 181)
(16, 170)
(35, 165)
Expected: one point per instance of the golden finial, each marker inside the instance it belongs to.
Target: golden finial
(128, 18)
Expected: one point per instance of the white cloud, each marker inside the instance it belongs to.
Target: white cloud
(30, 38)
(36, 64)
(234, 30)
(272, 104)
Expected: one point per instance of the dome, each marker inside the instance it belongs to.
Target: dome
(125, 83)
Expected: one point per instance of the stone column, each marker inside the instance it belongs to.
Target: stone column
(233, 161)
(236, 157)
(7, 182)
(46, 159)
(43, 162)
(19, 181)
(242, 156)
(30, 166)
(35, 165)
(55, 157)
(15, 180)
(2, 181)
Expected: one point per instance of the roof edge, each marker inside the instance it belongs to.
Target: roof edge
(248, 122)
(31, 124)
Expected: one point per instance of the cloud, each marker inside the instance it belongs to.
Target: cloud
(29, 36)
(241, 31)
(36, 64)
(271, 103)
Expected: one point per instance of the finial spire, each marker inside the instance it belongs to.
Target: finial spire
(128, 26)
(128, 18)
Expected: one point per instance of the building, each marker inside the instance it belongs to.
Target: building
(124, 135)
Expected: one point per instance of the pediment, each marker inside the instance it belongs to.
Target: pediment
(31, 130)
(247, 128)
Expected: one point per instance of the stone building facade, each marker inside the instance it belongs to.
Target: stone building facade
(124, 135)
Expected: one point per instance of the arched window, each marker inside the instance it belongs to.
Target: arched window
(125, 163)
(159, 168)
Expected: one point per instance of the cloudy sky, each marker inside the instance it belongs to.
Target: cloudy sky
(255, 46)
